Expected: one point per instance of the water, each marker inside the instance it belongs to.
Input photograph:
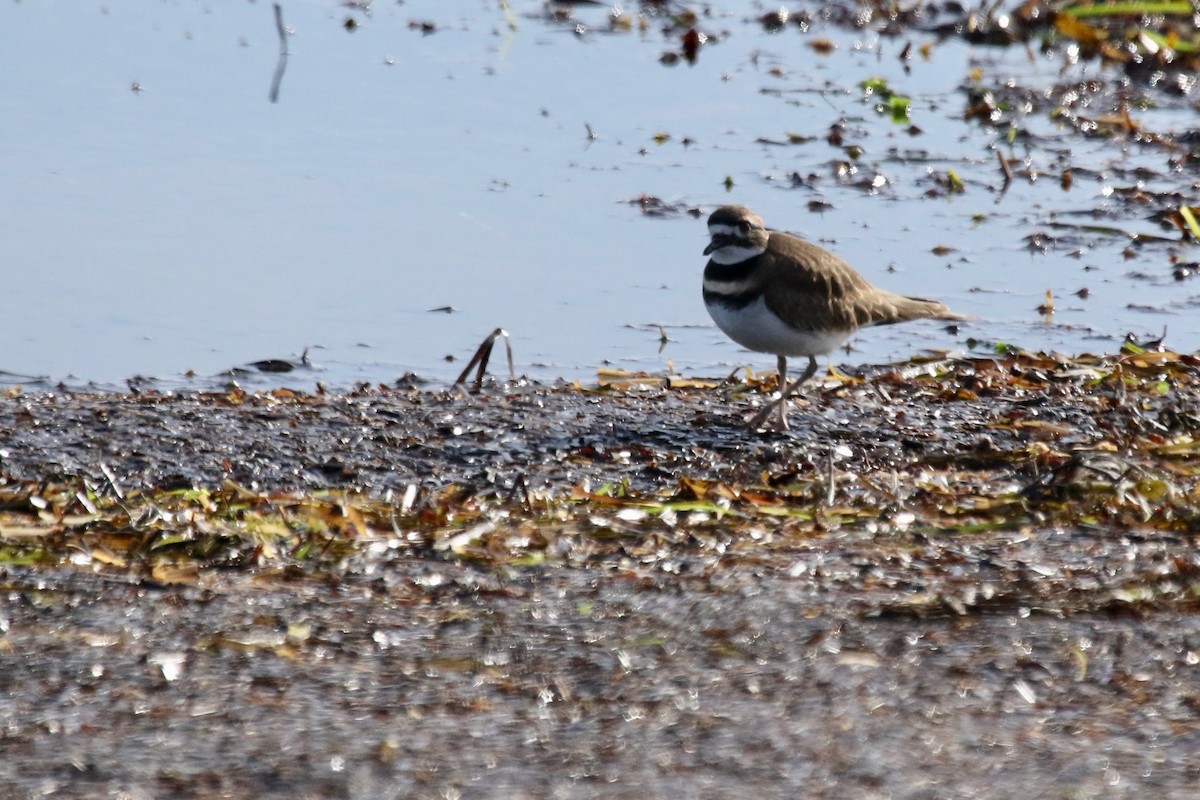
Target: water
(162, 216)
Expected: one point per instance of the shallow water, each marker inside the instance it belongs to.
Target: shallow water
(191, 224)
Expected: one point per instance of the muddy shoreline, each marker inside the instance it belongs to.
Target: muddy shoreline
(953, 578)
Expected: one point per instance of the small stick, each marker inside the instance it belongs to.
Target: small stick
(279, 27)
(1005, 169)
(481, 357)
(283, 54)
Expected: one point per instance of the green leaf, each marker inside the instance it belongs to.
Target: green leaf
(875, 85)
(956, 183)
(900, 108)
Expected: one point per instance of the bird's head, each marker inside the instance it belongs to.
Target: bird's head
(737, 234)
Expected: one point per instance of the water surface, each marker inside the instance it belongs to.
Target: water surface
(163, 216)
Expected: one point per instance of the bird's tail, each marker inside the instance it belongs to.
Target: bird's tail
(907, 308)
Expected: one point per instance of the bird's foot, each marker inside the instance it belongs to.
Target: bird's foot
(772, 416)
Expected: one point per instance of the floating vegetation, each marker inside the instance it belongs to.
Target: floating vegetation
(887, 101)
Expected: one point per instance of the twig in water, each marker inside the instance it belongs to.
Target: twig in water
(729, 379)
(481, 357)
(283, 54)
(1006, 169)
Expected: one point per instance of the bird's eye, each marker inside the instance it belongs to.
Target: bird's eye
(744, 226)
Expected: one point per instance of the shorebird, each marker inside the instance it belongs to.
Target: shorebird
(775, 293)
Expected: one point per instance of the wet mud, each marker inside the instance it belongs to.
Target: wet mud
(953, 578)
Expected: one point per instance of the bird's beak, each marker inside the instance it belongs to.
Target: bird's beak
(713, 245)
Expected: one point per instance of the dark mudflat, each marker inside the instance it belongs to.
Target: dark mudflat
(954, 579)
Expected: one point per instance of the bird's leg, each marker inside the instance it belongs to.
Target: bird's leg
(787, 391)
(763, 415)
(783, 393)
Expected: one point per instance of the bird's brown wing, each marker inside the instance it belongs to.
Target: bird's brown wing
(815, 289)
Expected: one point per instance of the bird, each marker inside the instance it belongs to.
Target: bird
(775, 293)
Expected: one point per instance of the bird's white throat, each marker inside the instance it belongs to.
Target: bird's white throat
(736, 254)
(732, 253)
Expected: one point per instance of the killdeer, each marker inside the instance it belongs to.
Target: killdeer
(774, 293)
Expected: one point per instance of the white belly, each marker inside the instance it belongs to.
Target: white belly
(755, 328)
